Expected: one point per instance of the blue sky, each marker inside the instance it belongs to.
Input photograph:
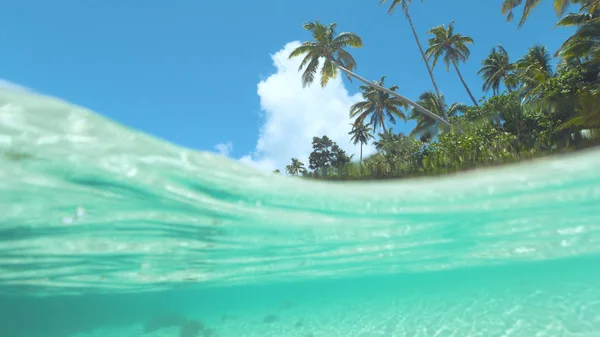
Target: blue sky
(189, 71)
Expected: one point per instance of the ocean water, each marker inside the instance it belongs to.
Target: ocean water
(108, 232)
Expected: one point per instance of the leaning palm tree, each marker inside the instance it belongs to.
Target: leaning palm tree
(509, 5)
(378, 105)
(295, 167)
(361, 133)
(497, 69)
(426, 127)
(328, 47)
(452, 47)
(405, 4)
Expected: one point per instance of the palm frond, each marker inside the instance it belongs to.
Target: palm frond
(328, 46)
(306, 47)
(347, 39)
(308, 76)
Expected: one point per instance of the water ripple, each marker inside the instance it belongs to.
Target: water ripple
(87, 205)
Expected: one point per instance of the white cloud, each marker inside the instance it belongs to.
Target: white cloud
(224, 148)
(294, 115)
(4, 84)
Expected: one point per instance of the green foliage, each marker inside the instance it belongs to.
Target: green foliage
(566, 84)
(326, 155)
(328, 47)
(543, 110)
(584, 45)
(472, 148)
(377, 106)
(397, 154)
(399, 148)
(497, 69)
(361, 133)
(504, 128)
(295, 168)
(426, 127)
(509, 5)
(452, 47)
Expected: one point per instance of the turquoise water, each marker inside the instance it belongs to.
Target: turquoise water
(108, 232)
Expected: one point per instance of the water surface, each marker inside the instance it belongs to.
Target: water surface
(103, 227)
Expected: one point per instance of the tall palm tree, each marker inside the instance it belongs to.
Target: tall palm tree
(426, 127)
(329, 47)
(361, 133)
(405, 4)
(378, 105)
(296, 167)
(497, 69)
(452, 47)
(509, 5)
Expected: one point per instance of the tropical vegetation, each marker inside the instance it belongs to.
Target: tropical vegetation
(534, 109)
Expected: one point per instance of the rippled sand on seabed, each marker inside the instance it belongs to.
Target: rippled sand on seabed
(541, 299)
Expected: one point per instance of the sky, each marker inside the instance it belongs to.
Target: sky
(215, 76)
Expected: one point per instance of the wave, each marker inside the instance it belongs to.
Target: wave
(89, 205)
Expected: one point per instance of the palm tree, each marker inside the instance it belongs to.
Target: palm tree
(590, 5)
(405, 4)
(329, 47)
(361, 133)
(452, 47)
(534, 67)
(589, 10)
(585, 43)
(378, 105)
(295, 167)
(536, 63)
(508, 5)
(387, 139)
(426, 127)
(496, 69)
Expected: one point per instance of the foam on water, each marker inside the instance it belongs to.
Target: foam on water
(93, 209)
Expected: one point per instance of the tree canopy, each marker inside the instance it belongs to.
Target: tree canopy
(535, 108)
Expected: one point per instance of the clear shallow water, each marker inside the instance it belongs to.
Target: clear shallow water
(102, 228)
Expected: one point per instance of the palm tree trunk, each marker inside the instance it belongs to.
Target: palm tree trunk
(437, 91)
(465, 84)
(395, 94)
(360, 163)
(361, 144)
